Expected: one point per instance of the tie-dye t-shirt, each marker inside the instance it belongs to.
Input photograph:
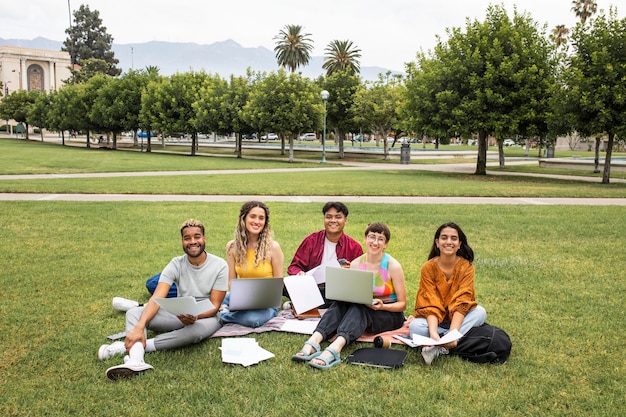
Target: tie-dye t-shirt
(383, 286)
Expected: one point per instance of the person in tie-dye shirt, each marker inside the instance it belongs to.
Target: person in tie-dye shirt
(348, 320)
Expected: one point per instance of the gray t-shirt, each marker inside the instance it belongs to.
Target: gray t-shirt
(196, 281)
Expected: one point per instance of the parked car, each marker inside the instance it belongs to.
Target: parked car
(270, 136)
(308, 136)
(248, 136)
(361, 138)
(141, 134)
(508, 142)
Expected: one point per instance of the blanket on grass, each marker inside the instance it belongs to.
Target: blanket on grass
(276, 324)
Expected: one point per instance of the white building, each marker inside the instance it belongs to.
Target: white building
(33, 69)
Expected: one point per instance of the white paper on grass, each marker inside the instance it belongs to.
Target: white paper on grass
(427, 341)
(299, 326)
(303, 292)
(243, 351)
(184, 305)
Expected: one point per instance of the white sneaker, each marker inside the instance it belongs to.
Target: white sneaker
(107, 351)
(128, 369)
(123, 304)
(430, 353)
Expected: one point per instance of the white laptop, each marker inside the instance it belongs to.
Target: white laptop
(255, 293)
(351, 285)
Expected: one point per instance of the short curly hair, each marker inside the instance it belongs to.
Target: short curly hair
(192, 223)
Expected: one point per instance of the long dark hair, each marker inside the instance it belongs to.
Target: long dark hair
(464, 251)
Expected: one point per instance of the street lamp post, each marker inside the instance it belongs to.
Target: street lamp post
(325, 95)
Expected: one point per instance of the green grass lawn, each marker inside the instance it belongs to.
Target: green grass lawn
(551, 276)
(22, 157)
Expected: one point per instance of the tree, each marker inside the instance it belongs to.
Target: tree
(584, 9)
(170, 105)
(220, 107)
(595, 80)
(285, 104)
(17, 105)
(39, 111)
(293, 48)
(376, 106)
(342, 86)
(69, 109)
(560, 35)
(342, 56)
(494, 78)
(88, 39)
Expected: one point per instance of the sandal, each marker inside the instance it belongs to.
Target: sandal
(317, 350)
(335, 360)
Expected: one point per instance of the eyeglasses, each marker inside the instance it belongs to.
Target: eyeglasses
(374, 238)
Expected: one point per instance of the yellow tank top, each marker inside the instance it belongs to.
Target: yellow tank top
(263, 270)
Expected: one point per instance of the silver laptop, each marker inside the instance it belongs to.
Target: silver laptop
(255, 293)
(351, 285)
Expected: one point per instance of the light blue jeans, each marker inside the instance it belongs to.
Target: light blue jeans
(248, 318)
(474, 318)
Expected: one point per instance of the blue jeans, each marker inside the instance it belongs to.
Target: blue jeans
(474, 318)
(350, 321)
(248, 318)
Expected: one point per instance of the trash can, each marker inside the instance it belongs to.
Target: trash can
(405, 154)
(550, 152)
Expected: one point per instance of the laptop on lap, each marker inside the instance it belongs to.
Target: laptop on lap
(350, 285)
(255, 293)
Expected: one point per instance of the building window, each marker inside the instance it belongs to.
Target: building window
(35, 78)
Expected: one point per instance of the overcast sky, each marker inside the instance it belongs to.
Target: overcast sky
(388, 32)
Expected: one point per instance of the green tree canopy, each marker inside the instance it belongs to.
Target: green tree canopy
(342, 86)
(88, 39)
(285, 104)
(493, 78)
(376, 106)
(17, 106)
(595, 80)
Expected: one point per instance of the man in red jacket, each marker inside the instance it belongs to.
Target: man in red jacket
(326, 246)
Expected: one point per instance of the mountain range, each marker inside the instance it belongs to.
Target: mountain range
(224, 58)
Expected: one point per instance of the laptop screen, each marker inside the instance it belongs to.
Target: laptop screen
(350, 285)
(255, 293)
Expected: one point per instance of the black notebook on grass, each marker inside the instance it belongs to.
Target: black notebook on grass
(378, 357)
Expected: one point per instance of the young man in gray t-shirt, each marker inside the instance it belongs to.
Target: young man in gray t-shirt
(197, 274)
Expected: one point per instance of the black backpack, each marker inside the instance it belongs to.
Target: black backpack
(484, 344)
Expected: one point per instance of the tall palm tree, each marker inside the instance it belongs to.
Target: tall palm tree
(584, 9)
(559, 35)
(293, 48)
(342, 56)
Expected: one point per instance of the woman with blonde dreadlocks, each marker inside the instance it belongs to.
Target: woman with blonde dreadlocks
(252, 254)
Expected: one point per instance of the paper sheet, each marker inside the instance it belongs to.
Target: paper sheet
(319, 272)
(427, 341)
(303, 292)
(184, 305)
(243, 351)
(299, 326)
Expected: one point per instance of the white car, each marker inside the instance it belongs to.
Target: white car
(308, 136)
(270, 136)
(508, 142)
